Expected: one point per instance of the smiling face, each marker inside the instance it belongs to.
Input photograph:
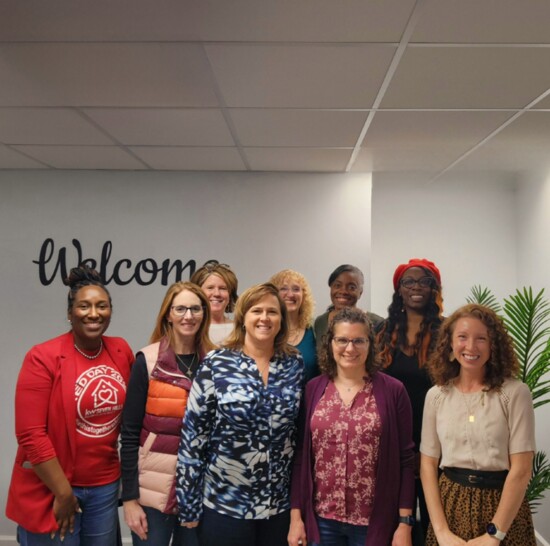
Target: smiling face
(350, 359)
(416, 297)
(471, 345)
(346, 290)
(186, 327)
(292, 294)
(217, 292)
(262, 321)
(90, 316)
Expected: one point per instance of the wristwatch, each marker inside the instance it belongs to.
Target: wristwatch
(408, 520)
(495, 532)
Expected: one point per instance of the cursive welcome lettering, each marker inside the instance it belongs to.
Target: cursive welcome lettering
(121, 272)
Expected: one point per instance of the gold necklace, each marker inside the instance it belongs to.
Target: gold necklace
(188, 369)
(471, 409)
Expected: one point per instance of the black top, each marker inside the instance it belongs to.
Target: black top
(417, 383)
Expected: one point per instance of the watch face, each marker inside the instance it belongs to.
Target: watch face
(491, 529)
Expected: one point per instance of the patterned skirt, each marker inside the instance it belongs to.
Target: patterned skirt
(469, 509)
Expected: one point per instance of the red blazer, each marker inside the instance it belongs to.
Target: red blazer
(45, 424)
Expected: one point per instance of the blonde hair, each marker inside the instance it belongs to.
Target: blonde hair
(246, 301)
(305, 313)
(163, 328)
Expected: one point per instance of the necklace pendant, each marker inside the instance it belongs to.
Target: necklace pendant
(471, 419)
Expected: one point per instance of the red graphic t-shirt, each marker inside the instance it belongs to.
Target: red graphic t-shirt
(100, 391)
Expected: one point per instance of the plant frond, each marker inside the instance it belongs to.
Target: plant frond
(484, 296)
(540, 480)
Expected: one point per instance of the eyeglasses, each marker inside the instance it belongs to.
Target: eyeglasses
(423, 282)
(294, 289)
(343, 342)
(181, 310)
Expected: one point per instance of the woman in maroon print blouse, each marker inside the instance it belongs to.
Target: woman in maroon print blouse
(353, 480)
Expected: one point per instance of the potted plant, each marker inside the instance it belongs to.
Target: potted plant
(527, 319)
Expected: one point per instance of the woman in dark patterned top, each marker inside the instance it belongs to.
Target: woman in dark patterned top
(353, 480)
(238, 436)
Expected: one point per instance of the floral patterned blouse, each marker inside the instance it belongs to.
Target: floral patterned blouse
(345, 441)
(238, 437)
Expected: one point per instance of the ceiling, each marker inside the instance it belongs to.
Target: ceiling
(426, 87)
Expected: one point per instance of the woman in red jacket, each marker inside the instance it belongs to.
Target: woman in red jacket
(68, 405)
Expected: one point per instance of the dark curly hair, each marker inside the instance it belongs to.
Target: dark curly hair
(82, 276)
(393, 331)
(352, 315)
(502, 363)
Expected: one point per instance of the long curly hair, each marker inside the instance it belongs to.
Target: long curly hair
(305, 313)
(351, 315)
(393, 332)
(502, 363)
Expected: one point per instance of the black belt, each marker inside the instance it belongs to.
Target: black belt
(483, 479)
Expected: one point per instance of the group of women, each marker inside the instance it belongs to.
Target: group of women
(222, 444)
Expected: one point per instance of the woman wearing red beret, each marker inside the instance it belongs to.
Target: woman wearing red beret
(406, 338)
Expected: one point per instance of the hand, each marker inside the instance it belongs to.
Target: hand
(447, 538)
(135, 518)
(64, 510)
(483, 540)
(402, 535)
(190, 524)
(297, 532)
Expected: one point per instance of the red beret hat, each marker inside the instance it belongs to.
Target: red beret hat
(416, 262)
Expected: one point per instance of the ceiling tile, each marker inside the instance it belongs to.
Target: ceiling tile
(402, 159)
(299, 76)
(83, 157)
(11, 159)
(215, 20)
(190, 159)
(298, 159)
(105, 75)
(315, 128)
(432, 130)
(469, 77)
(490, 21)
(164, 126)
(47, 126)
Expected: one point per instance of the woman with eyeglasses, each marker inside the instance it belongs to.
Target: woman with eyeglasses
(405, 341)
(152, 417)
(68, 403)
(296, 295)
(353, 477)
(346, 287)
(220, 284)
(238, 437)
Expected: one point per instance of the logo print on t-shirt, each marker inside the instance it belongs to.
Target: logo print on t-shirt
(98, 394)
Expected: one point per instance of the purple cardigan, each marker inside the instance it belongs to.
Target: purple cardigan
(395, 473)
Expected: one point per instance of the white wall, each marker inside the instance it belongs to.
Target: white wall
(466, 226)
(534, 270)
(257, 223)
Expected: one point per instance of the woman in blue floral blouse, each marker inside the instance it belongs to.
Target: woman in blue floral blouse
(238, 436)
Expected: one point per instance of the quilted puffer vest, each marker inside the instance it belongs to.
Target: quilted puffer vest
(160, 435)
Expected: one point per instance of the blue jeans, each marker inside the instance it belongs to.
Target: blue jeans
(162, 527)
(96, 526)
(336, 533)
(218, 529)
